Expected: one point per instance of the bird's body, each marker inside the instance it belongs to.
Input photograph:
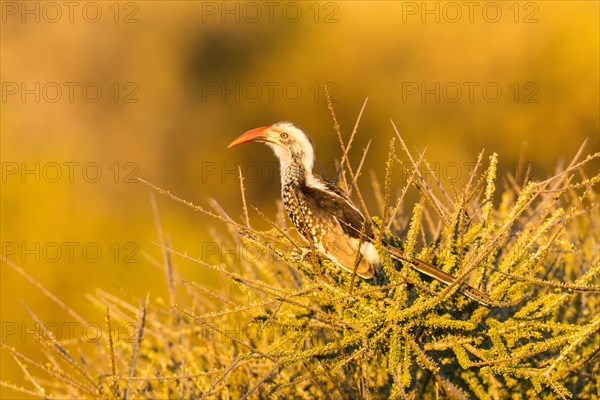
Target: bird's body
(323, 214)
(320, 211)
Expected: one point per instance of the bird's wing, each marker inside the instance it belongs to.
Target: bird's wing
(339, 228)
(340, 206)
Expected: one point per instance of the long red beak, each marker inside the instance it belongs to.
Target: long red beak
(251, 135)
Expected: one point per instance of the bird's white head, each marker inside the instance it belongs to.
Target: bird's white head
(292, 146)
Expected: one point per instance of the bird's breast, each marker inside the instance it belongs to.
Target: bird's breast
(306, 220)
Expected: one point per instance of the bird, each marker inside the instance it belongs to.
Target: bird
(325, 215)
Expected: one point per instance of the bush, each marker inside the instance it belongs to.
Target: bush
(284, 327)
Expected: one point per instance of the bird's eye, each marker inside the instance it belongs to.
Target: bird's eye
(283, 135)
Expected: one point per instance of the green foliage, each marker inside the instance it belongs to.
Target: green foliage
(285, 323)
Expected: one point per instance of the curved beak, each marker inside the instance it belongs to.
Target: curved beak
(257, 134)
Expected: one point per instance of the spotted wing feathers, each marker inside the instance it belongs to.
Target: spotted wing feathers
(334, 226)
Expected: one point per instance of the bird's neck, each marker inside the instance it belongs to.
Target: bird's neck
(295, 167)
(294, 174)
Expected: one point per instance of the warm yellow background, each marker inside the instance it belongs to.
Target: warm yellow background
(175, 135)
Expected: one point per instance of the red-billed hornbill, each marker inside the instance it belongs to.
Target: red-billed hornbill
(323, 214)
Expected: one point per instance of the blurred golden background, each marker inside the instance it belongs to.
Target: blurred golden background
(97, 94)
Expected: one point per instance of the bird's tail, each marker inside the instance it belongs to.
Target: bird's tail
(442, 276)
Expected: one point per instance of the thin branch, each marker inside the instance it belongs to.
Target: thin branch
(243, 191)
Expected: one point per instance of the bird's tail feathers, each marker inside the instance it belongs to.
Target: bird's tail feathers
(440, 275)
